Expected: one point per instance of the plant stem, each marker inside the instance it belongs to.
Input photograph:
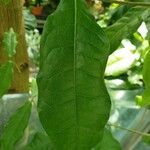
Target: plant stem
(144, 4)
(130, 130)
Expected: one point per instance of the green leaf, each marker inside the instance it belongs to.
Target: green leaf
(146, 139)
(108, 142)
(10, 42)
(6, 74)
(15, 128)
(148, 27)
(119, 12)
(73, 103)
(40, 141)
(146, 77)
(126, 26)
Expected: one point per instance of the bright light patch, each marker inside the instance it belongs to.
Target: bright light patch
(143, 30)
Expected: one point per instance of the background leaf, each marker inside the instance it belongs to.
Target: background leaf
(10, 42)
(15, 128)
(6, 73)
(126, 26)
(73, 103)
(146, 77)
(40, 141)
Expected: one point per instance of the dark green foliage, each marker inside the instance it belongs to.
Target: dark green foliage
(108, 142)
(73, 103)
(126, 25)
(118, 13)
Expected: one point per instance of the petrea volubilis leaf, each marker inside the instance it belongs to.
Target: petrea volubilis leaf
(73, 105)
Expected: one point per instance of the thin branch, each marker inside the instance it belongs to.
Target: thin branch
(130, 130)
(144, 4)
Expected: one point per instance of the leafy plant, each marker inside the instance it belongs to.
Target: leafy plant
(125, 26)
(6, 70)
(146, 75)
(15, 127)
(74, 105)
(71, 110)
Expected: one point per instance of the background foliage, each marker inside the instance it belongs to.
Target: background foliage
(126, 77)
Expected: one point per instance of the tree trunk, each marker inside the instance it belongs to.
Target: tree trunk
(11, 16)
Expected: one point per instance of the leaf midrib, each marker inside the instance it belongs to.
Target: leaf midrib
(75, 46)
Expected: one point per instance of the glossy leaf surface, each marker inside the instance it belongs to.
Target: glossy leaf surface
(73, 103)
